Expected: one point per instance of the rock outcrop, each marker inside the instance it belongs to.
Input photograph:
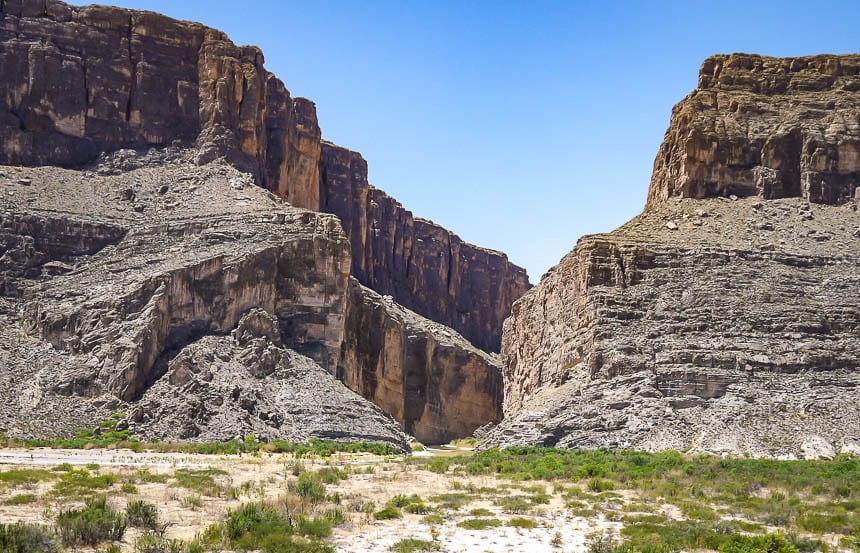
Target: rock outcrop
(424, 267)
(438, 385)
(186, 296)
(724, 324)
(768, 127)
(78, 81)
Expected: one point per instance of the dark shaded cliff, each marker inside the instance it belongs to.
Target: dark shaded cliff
(423, 266)
(80, 81)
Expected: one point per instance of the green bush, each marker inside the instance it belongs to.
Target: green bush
(521, 522)
(388, 513)
(258, 527)
(141, 514)
(310, 487)
(93, 524)
(26, 538)
(771, 543)
(21, 499)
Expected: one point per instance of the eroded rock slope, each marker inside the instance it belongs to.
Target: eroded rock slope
(728, 324)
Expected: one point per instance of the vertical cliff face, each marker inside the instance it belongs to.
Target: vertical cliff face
(769, 127)
(424, 267)
(722, 318)
(79, 81)
(437, 384)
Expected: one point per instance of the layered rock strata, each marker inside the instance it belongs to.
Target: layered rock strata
(185, 296)
(424, 267)
(768, 127)
(727, 324)
(438, 385)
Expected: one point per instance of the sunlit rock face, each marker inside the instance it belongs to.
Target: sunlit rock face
(723, 318)
(768, 127)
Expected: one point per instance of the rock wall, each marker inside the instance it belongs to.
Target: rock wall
(185, 296)
(428, 377)
(80, 81)
(723, 317)
(421, 265)
(769, 127)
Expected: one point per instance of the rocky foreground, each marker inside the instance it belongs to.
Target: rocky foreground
(725, 318)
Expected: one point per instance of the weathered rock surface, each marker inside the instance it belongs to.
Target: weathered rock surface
(130, 264)
(438, 385)
(183, 295)
(723, 325)
(769, 127)
(78, 81)
(421, 265)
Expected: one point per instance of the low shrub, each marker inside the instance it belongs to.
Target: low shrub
(141, 514)
(26, 538)
(95, 523)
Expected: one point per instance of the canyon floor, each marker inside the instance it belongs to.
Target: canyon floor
(450, 500)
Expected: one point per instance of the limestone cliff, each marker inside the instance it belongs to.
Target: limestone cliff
(768, 127)
(78, 81)
(724, 325)
(424, 267)
(426, 375)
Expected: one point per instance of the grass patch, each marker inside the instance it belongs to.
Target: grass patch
(19, 477)
(258, 527)
(200, 481)
(412, 545)
(20, 499)
(521, 522)
(479, 523)
(80, 483)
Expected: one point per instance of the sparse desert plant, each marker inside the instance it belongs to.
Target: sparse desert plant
(309, 487)
(141, 514)
(95, 523)
(26, 538)
(192, 501)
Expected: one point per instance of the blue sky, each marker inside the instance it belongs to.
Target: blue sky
(521, 126)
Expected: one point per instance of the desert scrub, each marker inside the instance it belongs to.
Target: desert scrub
(95, 523)
(309, 486)
(259, 527)
(20, 499)
(387, 513)
(412, 545)
(513, 504)
(479, 523)
(26, 538)
(20, 477)
(141, 514)
(521, 522)
(128, 488)
(200, 481)
(79, 483)
(153, 542)
(332, 475)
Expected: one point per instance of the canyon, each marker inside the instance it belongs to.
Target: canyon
(180, 244)
(161, 188)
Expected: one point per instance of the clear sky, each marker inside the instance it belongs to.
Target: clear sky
(521, 126)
